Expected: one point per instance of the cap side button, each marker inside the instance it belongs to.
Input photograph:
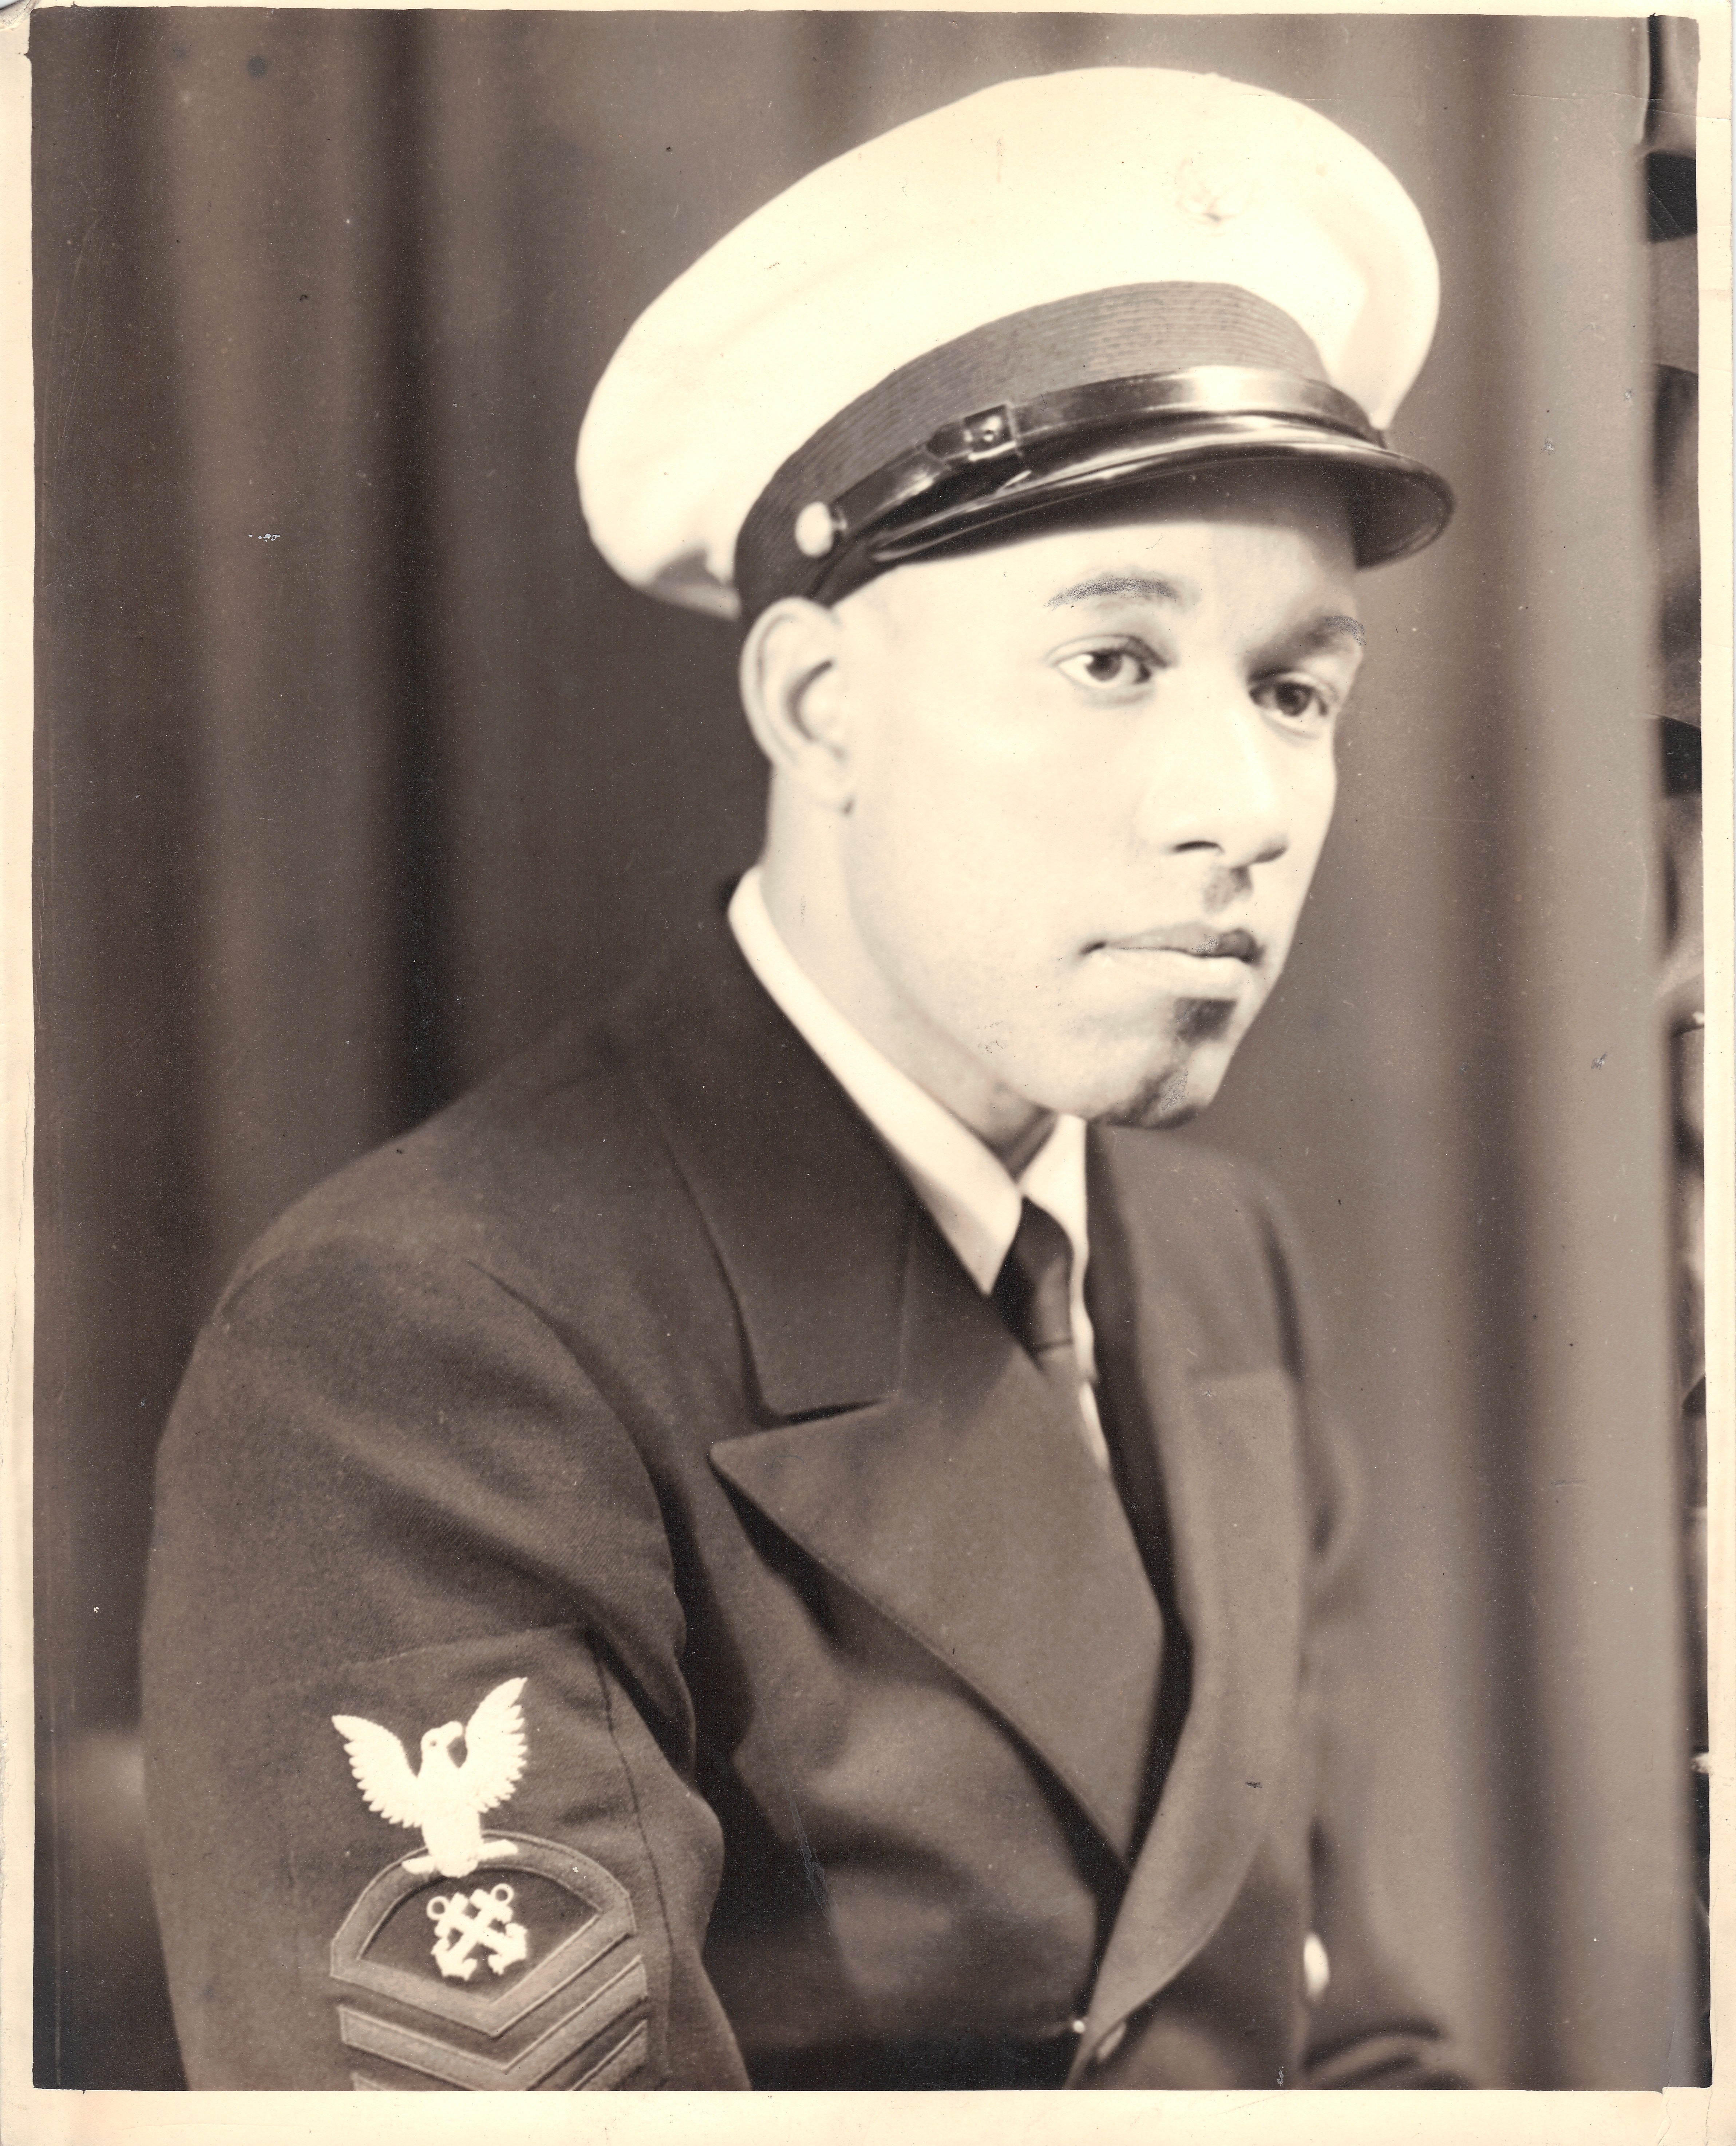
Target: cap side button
(816, 530)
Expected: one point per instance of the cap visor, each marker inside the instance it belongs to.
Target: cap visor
(1397, 506)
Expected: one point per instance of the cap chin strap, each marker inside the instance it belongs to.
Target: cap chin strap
(1011, 458)
(988, 449)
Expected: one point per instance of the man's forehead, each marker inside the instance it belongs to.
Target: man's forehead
(1261, 588)
(1168, 555)
(1181, 593)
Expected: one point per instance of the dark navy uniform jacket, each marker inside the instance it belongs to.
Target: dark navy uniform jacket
(856, 1730)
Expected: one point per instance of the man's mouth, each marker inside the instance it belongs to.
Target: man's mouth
(1198, 940)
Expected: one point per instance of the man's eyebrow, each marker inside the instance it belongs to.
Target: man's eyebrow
(1334, 626)
(1101, 586)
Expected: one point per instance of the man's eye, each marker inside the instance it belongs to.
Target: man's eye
(1295, 699)
(1107, 667)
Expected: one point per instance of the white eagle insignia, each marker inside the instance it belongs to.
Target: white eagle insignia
(446, 1801)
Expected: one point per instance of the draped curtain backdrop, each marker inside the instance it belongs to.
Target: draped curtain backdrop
(356, 765)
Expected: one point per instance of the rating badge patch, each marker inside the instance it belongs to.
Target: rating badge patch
(532, 1976)
(496, 1962)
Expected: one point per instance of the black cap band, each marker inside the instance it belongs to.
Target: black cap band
(1067, 401)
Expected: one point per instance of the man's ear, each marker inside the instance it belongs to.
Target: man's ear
(792, 690)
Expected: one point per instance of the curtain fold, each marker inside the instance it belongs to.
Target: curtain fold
(1584, 1076)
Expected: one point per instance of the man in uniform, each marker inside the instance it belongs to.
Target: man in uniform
(790, 1539)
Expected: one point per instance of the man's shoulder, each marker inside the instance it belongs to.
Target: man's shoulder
(545, 1154)
(1185, 1189)
(598, 1153)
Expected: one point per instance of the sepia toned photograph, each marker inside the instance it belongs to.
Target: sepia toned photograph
(871, 1022)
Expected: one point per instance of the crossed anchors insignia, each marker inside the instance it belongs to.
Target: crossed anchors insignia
(461, 1924)
(446, 1802)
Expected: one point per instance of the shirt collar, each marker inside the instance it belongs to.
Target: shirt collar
(964, 1184)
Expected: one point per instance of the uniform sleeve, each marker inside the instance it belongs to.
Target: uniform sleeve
(419, 1755)
(1367, 2028)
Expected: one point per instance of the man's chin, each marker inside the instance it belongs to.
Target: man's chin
(1181, 1088)
(1168, 1100)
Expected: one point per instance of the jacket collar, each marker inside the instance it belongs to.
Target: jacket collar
(975, 1203)
(809, 1216)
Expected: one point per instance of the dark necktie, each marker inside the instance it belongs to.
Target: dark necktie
(1033, 1294)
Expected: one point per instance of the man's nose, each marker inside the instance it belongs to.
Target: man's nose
(1213, 779)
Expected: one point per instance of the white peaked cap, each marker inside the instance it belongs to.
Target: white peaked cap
(1014, 229)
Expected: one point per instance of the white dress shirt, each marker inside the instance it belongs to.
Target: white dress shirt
(974, 1202)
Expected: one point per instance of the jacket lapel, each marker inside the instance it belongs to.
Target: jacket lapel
(965, 1508)
(1229, 1456)
(928, 1467)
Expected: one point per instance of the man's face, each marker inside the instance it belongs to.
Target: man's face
(1091, 773)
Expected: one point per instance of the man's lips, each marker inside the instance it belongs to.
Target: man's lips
(1198, 940)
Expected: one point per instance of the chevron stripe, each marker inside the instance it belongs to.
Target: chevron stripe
(614, 2069)
(459, 2068)
(619, 2066)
